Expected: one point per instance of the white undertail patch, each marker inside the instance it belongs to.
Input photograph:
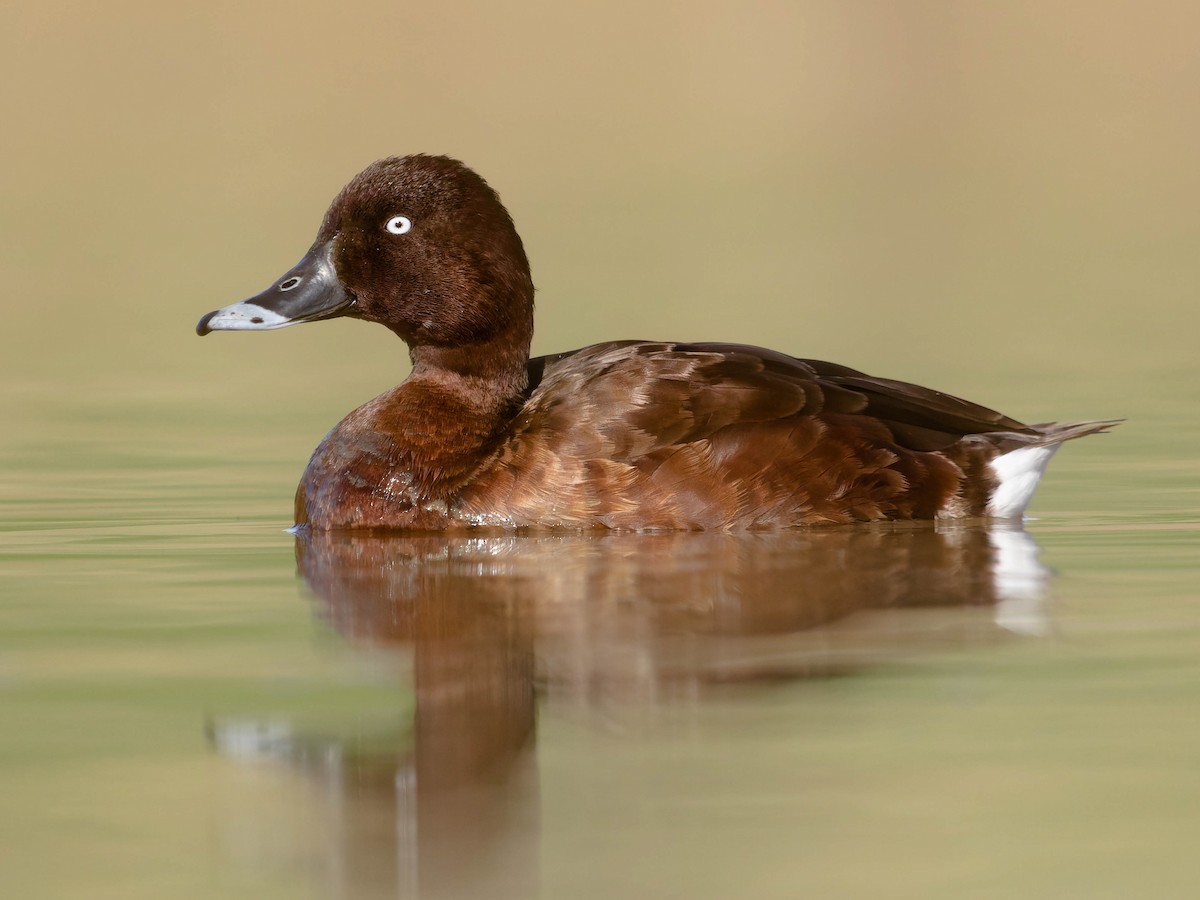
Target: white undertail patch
(1018, 472)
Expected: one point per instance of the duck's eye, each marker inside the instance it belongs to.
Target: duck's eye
(398, 224)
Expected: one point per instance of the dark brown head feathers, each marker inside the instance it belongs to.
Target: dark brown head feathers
(456, 277)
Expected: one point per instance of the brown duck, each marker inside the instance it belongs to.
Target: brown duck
(629, 434)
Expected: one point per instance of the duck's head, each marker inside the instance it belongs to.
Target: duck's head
(420, 244)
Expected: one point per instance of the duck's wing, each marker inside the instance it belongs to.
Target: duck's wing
(648, 435)
(632, 397)
(656, 435)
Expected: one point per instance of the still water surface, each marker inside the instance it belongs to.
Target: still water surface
(997, 200)
(196, 703)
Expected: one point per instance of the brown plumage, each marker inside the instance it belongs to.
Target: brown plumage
(630, 435)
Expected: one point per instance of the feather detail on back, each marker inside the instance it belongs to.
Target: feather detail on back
(654, 435)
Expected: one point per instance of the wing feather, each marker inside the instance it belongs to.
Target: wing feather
(663, 394)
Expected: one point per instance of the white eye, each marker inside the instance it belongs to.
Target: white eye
(398, 224)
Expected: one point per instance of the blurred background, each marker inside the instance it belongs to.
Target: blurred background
(997, 200)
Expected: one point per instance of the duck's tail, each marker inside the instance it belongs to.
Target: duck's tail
(1023, 458)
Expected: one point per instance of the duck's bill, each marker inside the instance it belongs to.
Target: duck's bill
(308, 291)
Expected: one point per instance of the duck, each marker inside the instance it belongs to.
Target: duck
(633, 435)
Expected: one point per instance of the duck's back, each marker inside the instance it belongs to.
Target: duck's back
(656, 435)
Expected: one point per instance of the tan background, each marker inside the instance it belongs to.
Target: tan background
(998, 199)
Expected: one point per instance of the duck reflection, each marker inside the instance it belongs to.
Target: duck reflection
(616, 629)
(615, 619)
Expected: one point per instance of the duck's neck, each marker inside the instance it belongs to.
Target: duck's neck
(490, 372)
(454, 407)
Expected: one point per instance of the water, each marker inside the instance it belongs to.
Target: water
(197, 703)
(996, 200)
